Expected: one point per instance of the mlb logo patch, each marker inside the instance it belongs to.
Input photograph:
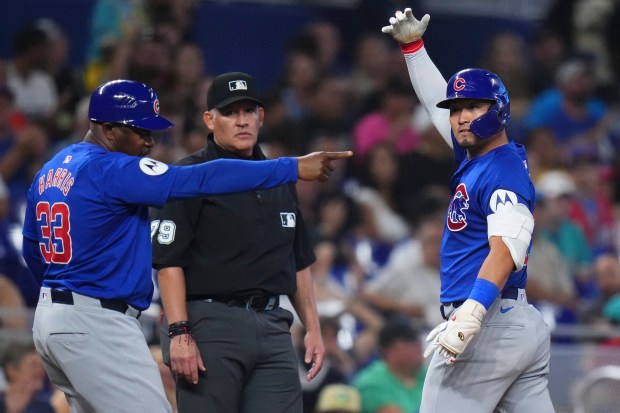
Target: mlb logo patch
(43, 296)
(237, 85)
(288, 219)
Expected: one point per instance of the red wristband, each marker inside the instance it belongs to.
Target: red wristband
(412, 47)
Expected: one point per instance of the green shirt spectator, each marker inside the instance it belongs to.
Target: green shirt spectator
(396, 379)
(379, 387)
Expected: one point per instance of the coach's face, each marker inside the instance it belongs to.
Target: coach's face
(127, 139)
(235, 127)
(462, 113)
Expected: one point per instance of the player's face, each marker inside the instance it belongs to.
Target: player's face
(130, 140)
(235, 127)
(462, 113)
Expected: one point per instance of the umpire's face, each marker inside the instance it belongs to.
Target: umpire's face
(235, 127)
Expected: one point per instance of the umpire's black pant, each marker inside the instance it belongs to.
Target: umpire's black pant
(250, 362)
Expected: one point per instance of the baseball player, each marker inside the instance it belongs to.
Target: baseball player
(492, 353)
(86, 237)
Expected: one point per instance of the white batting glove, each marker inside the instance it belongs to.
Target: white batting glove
(451, 337)
(405, 28)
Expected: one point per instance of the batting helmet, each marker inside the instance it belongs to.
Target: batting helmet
(127, 102)
(484, 85)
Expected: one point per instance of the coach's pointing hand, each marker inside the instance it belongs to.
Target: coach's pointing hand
(405, 28)
(319, 165)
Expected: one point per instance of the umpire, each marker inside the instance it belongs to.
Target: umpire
(223, 262)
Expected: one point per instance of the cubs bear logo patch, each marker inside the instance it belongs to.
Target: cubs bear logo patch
(457, 219)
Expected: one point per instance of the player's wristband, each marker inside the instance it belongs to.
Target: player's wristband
(485, 292)
(412, 47)
(179, 328)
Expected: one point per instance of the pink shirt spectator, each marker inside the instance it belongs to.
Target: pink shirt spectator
(375, 128)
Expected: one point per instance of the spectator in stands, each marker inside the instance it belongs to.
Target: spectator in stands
(25, 377)
(555, 190)
(22, 149)
(68, 80)
(328, 38)
(390, 123)
(606, 308)
(394, 380)
(375, 62)
(339, 398)
(544, 153)
(337, 297)
(409, 284)
(377, 195)
(328, 114)
(23, 146)
(429, 166)
(571, 109)
(592, 207)
(548, 51)
(337, 365)
(550, 286)
(300, 76)
(506, 55)
(13, 312)
(33, 88)
(116, 26)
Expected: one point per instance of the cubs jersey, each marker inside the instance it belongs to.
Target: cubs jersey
(88, 211)
(480, 186)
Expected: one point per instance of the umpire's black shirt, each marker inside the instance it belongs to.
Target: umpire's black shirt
(236, 244)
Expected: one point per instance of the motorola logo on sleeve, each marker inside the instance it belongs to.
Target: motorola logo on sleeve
(152, 167)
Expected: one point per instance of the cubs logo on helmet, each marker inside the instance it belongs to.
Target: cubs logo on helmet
(457, 219)
(459, 84)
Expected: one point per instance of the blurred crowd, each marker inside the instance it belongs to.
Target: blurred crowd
(377, 224)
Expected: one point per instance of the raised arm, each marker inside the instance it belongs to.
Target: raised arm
(427, 81)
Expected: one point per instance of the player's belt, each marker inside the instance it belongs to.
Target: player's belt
(66, 297)
(511, 293)
(250, 302)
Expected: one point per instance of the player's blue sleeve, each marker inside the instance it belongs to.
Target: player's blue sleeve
(32, 256)
(222, 176)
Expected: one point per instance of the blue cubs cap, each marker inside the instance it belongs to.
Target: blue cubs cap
(129, 103)
(232, 87)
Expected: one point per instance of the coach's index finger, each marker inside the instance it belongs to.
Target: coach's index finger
(339, 155)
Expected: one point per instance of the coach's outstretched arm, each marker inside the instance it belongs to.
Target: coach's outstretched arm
(231, 175)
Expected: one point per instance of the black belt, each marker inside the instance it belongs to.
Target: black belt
(250, 302)
(511, 293)
(66, 297)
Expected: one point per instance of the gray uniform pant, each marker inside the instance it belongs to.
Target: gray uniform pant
(250, 362)
(503, 369)
(98, 357)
